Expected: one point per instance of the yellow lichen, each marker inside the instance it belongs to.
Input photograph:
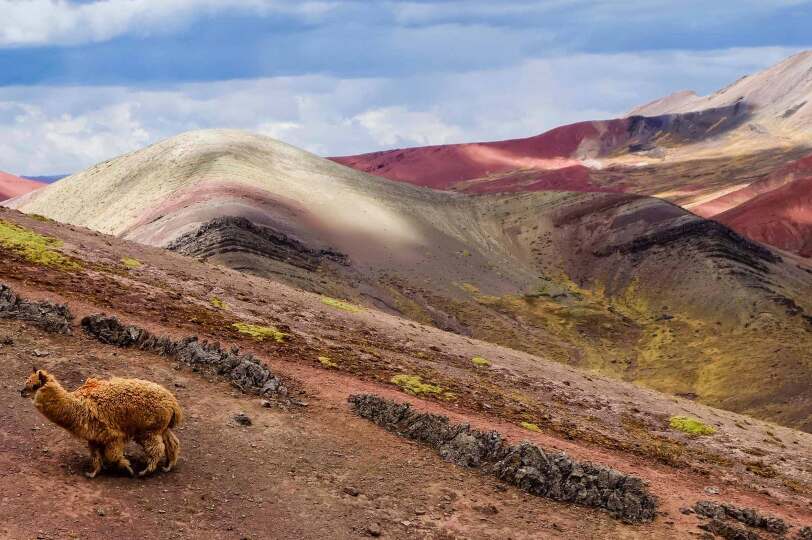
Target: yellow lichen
(413, 384)
(260, 333)
(340, 304)
(130, 263)
(326, 361)
(480, 361)
(217, 302)
(530, 427)
(35, 248)
(691, 426)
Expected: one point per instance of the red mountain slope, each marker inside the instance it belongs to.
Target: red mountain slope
(531, 159)
(782, 216)
(12, 186)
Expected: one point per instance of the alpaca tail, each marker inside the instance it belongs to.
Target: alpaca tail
(177, 415)
(171, 449)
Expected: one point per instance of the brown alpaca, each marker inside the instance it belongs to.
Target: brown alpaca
(108, 413)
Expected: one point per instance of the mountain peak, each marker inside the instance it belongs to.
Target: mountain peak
(780, 97)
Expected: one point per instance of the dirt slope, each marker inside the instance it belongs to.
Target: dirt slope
(316, 470)
(13, 186)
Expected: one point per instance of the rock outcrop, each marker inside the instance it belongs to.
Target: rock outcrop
(229, 234)
(547, 474)
(243, 370)
(49, 316)
(720, 516)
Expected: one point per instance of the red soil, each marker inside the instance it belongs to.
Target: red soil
(792, 171)
(443, 166)
(12, 186)
(781, 217)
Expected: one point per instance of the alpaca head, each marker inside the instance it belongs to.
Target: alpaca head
(35, 381)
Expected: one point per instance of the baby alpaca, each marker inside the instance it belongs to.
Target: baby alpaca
(108, 413)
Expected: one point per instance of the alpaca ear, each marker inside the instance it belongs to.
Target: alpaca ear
(34, 369)
(42, 378)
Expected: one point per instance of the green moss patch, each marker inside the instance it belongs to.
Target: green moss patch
(130, 263)
(479, 361)
(530, 427)
(691, 426)
(35, 248)
(260, 333)
(340, 304)
(217, 302)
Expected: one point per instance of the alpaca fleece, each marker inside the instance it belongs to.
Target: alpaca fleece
(108, 413)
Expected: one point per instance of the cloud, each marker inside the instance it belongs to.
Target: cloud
(394, 126)
(48, 130)
(40, 22)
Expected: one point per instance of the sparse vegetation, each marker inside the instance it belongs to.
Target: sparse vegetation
(759, 468)
(469, 288)
(530, 427)
(217, 302)
(327, 362)
(691, 426)
(414, 385)
(130, 263)
(260, 333)
(480, 361)
(340, 304)
(35, 248)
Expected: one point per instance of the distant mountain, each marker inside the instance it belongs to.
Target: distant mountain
(631, 286)
(12, 186)
(47, 179)
(692, 150)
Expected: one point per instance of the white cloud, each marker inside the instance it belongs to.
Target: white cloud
(394, 126)
(48, 130)
(39, 22)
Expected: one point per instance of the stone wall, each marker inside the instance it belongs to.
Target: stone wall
(51, 317)
(547, 474)
(243, 370)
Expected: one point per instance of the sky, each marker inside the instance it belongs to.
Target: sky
(85, 81)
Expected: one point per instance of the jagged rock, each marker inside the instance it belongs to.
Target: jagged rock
(729, 532)
(243, 419)
(244, 371)
(553, 475)
(51, 317)
(711, 237)
(805, 533)
(747, 516)
(230, 234)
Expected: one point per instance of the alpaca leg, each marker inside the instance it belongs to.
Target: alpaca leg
(96, 451)
(154, 449)
(114, 453)
(172, 445)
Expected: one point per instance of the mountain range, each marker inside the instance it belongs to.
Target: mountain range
(12, 186)
(635, 291)
(740, 156)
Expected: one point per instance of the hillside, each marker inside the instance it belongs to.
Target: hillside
(691, 150)
(12, 186)
(308, 447)
(628, 286)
